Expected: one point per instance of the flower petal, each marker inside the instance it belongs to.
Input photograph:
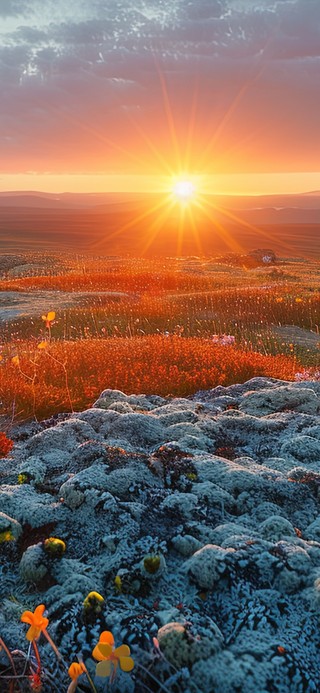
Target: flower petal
(105, 650)
(107, 637)
(33, 633)
(39, 611)
(75, 670)
(126, 663)
(122, 651)
(102, 651)
(103, 668)
(97, 654)
(27, 617)
(38, 618)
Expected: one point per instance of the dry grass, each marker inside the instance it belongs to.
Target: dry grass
(47, 381)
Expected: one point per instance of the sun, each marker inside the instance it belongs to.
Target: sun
(184, 190)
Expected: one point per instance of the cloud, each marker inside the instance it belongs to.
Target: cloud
(95, 74)
(13, 8)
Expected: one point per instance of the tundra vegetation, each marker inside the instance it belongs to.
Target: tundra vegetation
(166, 326)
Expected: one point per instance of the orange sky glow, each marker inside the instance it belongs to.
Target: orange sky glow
(129, 96)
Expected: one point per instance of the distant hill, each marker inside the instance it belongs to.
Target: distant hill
(41, 200)
(145, 224)
(61, 201)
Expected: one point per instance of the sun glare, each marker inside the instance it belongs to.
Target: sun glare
(184, 190)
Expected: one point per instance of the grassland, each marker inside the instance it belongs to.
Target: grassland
(154, 326)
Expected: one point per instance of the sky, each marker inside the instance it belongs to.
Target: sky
(133, 94)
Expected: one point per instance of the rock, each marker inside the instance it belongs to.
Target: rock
(33, 469)
(208, 565)
(182, 504)
(264, 255)
(109, 397)
(10, 529)
(186, 545)
(34, 564)
(286, 398)
(275, 528)
(182, 650)
(223, 503)
(303, 448)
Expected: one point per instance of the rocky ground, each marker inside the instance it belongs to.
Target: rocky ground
(197, 520)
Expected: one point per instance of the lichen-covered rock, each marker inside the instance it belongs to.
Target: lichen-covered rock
(109, 397)
(182, 648)
(138, 429)
(283, 398)
(34, 564)
(276, 528)
(312, 532)
(181, 513)
(208, 565)
(65, 436)
(29, 507)
(10, 529)
(303, 448)
(33, 469)
(186, 545)
(182, 504)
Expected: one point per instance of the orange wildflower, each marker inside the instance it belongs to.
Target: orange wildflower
(76, 669)
(38, 624)
(110, 657)
(37, 621)
(49, 318)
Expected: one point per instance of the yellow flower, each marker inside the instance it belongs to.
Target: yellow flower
(37, 622)
(15, 361)
(93, 601)
(42, 345)
(6, 536)
(109, 657)
(50, 317)
(298, 300)
(118, 583)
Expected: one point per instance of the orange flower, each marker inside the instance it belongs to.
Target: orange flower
(109, 657)
(49, 317)
(38, 623)
(76, 669)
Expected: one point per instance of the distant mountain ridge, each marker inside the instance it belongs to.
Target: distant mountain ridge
(42, 200)
(139, 224)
